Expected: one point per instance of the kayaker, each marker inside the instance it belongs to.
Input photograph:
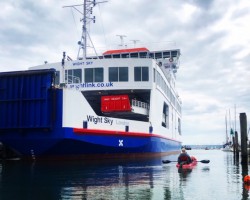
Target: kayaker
(184, 158)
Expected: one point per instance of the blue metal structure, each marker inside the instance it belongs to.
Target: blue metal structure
(26, 99)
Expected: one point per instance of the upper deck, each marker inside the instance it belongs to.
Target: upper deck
(124, 67)
(139, 53)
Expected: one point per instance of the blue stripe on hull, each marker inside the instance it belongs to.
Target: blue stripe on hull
(71, 144)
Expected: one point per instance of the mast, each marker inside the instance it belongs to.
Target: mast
(231, 127)
(234, 117)
(87, 18)
(226, 128)
(83, 42)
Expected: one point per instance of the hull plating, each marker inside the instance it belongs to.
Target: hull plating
(73, 144)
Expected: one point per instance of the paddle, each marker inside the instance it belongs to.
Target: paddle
(169, 161)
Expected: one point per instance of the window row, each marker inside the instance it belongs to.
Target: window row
(158, 79)
(115, 74)
(165, 118)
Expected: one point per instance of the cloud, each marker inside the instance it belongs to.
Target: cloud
(204, 5)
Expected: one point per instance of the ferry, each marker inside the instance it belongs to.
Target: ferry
(121, 103)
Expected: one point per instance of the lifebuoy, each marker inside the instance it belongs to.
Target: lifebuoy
(171, 59)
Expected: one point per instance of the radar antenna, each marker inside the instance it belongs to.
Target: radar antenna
(135, 41)
(87, 18)
(122, 40)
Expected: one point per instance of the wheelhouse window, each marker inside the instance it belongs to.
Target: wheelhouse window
(118, 74)
(93, 75)
(73, 76)
(141, 74)
(165, 115)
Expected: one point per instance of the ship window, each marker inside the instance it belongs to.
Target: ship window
(166, 54)
(158, 55)
(179, 126)
(123, 74)
(113, 74)
(73, 76)
(141, 74)
(93, 75)
(125, 55)
(98, 74)
(165, 116)
(144, 74)
(143, 54)
(118, 74)
(57, 78)
(154, 75)
(134, 55)
(107, 56)
(88, 75)
(116, 56)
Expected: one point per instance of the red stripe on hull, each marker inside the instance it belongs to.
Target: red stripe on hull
(115, 133)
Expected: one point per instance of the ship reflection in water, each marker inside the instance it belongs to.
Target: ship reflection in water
(125, 179)
(113, 182)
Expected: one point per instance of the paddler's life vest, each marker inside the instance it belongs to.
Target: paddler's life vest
(184, 158)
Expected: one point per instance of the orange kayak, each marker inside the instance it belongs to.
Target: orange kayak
(188, 166)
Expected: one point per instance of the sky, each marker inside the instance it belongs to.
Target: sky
(213, 36)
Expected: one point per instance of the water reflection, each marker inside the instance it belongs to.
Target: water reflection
(79, 180)
(130, 179)
(237, 169)
(184, 173)
(111, 182)
(205, 169)
(245, 187)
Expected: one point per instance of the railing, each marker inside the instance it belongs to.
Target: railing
(139, 104)
(73, 79)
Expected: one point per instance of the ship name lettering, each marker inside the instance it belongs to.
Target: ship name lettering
(108, 121)
(89, 63)
(97, 120)
(94, 119)
(78, 63)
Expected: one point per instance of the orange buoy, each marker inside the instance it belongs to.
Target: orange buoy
(247, 179)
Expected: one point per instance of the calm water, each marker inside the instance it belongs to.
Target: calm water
(221, 179)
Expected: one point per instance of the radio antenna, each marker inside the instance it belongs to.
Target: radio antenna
(87, 18)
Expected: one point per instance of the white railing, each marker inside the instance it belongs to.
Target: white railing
(73, 79)
(139, 104)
